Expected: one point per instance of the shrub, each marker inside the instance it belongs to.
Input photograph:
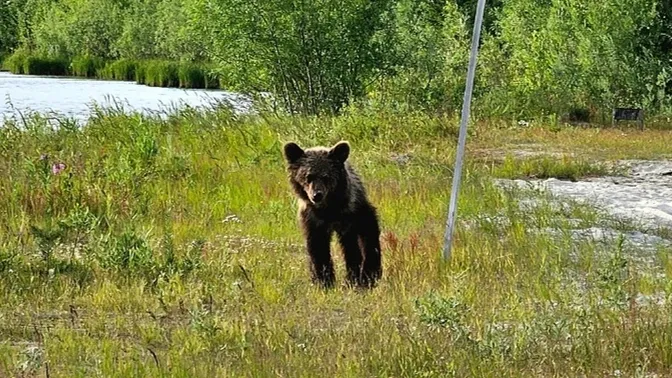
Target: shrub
(15, 62)
(35, 65)
(128, 253)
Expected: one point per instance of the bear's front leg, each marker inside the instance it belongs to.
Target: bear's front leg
(352, 253)
(317, 243)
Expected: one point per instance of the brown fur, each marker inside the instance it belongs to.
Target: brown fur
(332, 199)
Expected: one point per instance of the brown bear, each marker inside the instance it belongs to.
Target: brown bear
(332, 199)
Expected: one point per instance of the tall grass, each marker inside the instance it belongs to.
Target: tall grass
(123, 69)
(169, 246)
(140, 73)
(195, 75)
(564, 168)
(191, 75)
(87, 66)
(34, 65)
(161, 74)
(151, 72)
(24, 63)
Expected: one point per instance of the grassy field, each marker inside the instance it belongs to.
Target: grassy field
(169, 247)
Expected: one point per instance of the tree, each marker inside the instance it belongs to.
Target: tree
(313, 55)
(574, 53)
(428, 55)
(9, 18)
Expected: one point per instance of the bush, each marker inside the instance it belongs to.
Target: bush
(35, 65)
(128, 253)
(321, 73)
(15, 62)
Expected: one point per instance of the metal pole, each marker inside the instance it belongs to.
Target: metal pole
(466, 107)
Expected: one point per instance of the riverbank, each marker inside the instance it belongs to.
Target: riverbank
(78, 99)
(155, 73)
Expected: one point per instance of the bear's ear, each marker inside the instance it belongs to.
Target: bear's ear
(293, 152)
(340, 151)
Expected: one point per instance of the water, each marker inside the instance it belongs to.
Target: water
(74, 97)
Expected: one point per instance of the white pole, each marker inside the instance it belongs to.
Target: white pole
(466, 106)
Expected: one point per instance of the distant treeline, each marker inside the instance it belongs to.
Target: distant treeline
(538, 57)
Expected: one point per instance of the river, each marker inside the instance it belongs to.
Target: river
(74, 97)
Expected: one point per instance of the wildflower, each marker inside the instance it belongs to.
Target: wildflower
(57, 168)
(44, 157)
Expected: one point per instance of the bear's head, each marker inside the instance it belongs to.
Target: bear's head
(318, 175)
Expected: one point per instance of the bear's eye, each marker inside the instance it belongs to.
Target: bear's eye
(311, 177)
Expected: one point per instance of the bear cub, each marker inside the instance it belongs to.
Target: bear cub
(332, 199)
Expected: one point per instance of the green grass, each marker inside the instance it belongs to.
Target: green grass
(140, 73)
(23, 63)
(155, 73)
(169, 247)
(122, 69)
(86, 66)
(563, 168)
(45, 66)
(194, 75)
(191, 75)
(161, 74)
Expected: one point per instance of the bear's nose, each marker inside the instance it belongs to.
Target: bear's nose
(317, 196)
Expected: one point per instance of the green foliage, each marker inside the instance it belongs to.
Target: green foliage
(141, 72)
(79, 27)
(9, 32)
(15, 62)
(46, 239)
(536, 58)
(575, 54)
(158, 73)
(429, 45)
(176, 33)
(138, 39)
(87, 66)
(315, 57)
(437, 311)
(128, 252)
(191, 76)
(566, 168)
(122, 69)
(173, 238)
(36, 65)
